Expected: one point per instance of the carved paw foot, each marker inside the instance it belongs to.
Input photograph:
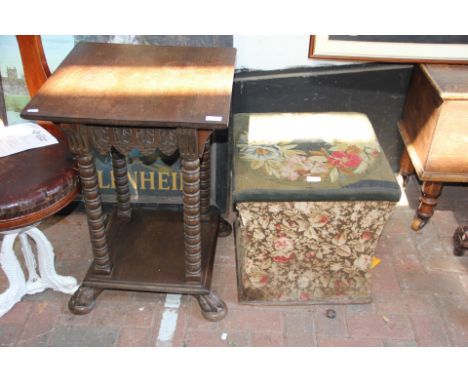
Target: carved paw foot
(213, 308)
(84, 300)
(224, 229)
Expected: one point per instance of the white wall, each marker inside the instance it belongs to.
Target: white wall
(275, 52)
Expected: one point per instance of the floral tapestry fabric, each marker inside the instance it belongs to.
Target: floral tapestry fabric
(297, 156)
(315, 252)
(286, 161)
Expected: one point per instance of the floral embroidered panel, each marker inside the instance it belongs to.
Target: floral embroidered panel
(307, 252)
(309, 156)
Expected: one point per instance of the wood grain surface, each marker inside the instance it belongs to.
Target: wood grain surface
(450, 80)
(139, 85)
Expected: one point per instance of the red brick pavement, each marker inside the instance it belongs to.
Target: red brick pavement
(420, 298)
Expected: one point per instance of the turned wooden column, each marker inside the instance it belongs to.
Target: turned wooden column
(80, 146)
(188, 148)
(427, 202)
(119, 168)
(205, 179)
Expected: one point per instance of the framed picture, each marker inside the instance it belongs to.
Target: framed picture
(391, 48)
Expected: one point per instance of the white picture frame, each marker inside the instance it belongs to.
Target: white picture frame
(398, 48)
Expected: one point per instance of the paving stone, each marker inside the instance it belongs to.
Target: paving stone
(447, 263)
(181, 327)
(380, 326)
(383, 278)
(429, 245)
(195, 320)
(253, 320)
(405, 303)
(214, 338)
(397, 226)
(402, 212)
(454, 312)
(18, 314)
(406, 261)
(307, 340)
(330, 327)
(464, 280)
(354, 342)
(230, 296)
(88, 336)
(361, 308)
(109, 314)
(109, 296)
(445, 222)
(384, 244)
(146, 297)
(432, 282)
(69, 319)
(144, 315)
(224, 275)
(260, 339)
(41, 340)
(447, 243)
(420, 288)
(48, 295)
(299, 323)
(223, 258)
(41, 321)
(429, 330)
(406, 244)
(389, 342)
(136, 337)
(9, 333)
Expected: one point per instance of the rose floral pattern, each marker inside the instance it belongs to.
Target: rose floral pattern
(316, 252)
(285, 160)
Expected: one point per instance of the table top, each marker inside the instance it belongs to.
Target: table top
(138, 85)
(451, 81)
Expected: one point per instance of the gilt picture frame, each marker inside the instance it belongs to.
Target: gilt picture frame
(391, 48)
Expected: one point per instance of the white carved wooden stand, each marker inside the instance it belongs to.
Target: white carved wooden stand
(48, 278)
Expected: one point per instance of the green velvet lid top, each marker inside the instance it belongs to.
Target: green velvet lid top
(309, 156)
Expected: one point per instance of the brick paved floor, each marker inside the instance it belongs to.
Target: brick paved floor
(420, 297)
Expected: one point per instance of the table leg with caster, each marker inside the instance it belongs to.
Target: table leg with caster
(427, 202)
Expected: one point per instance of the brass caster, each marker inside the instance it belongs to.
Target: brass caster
(418, 223)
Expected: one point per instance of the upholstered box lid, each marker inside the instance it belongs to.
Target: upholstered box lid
(309, 156)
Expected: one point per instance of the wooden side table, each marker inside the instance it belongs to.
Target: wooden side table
(434, 128)
(118, 97)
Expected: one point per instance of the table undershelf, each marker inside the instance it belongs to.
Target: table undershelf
(147, 252)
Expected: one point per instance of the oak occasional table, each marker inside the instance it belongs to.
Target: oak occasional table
(434, 128)
(116, 98)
